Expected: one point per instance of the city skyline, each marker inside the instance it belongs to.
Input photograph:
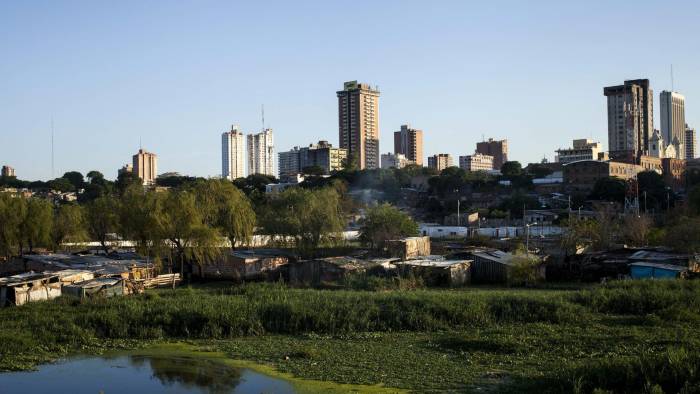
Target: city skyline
(176, 106)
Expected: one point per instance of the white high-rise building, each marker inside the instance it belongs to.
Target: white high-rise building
(232, 164)
(145, 165)
(261, 153)
(673, 121)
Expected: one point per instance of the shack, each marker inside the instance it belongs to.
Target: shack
(68, 277)
(100, 266)
(447, 273)
(99, 287)
(489, 265)
(409, 248)
(657, 271)
(334, 269)
(261, 264)
(29, 287)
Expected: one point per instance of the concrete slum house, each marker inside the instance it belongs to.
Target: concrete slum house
(334, 269)
(29, 287)
(259, 264)
(409, 248)
(437, 272)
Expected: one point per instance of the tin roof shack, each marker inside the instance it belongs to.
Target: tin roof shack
(657, 271)
(29, 287)
(334, 269)
(99, 265)
(100, 287)
(617, 263)
(444, 273)
(489, 265)
(665, 256)
(244, 265)
(68, 277)
(409, 248)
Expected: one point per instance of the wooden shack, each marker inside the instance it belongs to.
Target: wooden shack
(409, 248)
(23, 288)
(490, 265)
(442, 273)
(326, 270)
(243, 265)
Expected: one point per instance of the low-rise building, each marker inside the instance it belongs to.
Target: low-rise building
(583, 149)
(440, 161)
(394, 160)
(322, 155)
(582, 175)
(476, 162)
(674, 173)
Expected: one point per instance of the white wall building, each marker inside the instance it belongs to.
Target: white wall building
(232, 163)
(261, 153)
(583, 149)
(394, 160)
(476, 162)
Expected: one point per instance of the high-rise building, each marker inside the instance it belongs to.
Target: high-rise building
(322, 155)
(476, 162)
(497, 149)
(394, 160)
(8, 171)
(673, 121)
(691, 148)
(232, 162)
(145, 165)
(409, 142)
(440, 161)
(583, 149)
(358, 121)
(630, 116)
(261, 153)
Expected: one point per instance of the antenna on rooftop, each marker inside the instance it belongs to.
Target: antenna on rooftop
(52, 149)
(672, 77)
(262, 112)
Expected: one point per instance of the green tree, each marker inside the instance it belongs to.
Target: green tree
(538, 170)
(684, 235)
(126, 180)
(385, 222)
(311, 217)
(141, 220)
(36, 227)
(69, 225)
(75, 178)
(227, 209)
(61, 184)
(609, 189)
(102, 219)
(524, 269)
(694, 200)
(511, 169)
(12, 213)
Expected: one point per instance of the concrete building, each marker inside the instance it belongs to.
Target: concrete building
(440, 161)
(8, 171)
(125, 168)
(673, 121)
(261, 153)
(322, 155)
(409, 142)
(358, 121)
(674, 173)
(582, 175)
(497, 149)
(232, 166)
(476, 162)
(630, 116)
(288, 162)
(394, 160)
(146, 166)
(691, 148)
(583, 149)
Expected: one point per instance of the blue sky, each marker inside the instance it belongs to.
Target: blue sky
(176, 74)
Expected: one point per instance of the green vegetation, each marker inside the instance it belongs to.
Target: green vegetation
(385, 222)
(631, 336)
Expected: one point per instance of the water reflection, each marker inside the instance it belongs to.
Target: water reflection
(133, 374)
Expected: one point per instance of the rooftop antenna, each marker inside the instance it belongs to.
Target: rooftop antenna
(140, 146)
(262, 111)
(672, 77)
(52, 149)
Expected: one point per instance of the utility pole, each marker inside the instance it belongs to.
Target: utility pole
(458, 219)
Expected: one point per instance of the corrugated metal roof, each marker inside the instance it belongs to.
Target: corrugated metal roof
(669, 267)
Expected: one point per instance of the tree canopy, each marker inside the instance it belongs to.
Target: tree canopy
(385, 222)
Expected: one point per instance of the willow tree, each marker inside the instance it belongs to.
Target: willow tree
(69, 225)
(141, 220)
(183, 224)
(226, 208)
(385, 222)
(12, 213)
(102, 219)
(35, 228)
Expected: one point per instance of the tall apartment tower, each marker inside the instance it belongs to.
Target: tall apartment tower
(409, 142)
(691, 147)
(358, 121)
(8, 171)
(261, 153)
(497, 149)
(232, 159)
(673, 121)
(630, 116)
(145, 165)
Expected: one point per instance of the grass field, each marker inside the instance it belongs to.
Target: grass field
(623, 337)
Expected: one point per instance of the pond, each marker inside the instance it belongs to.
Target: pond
(141, 374)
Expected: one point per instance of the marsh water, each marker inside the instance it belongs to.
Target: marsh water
(140, 374)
